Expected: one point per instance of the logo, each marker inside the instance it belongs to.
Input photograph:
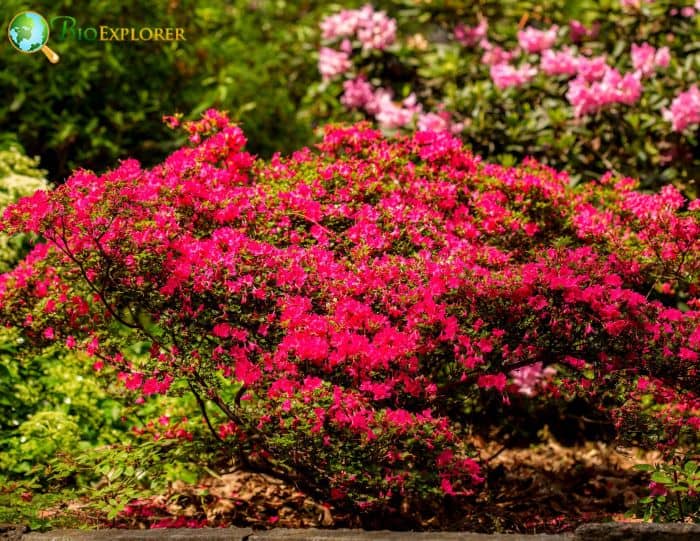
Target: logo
(29, 32)
(67, 28)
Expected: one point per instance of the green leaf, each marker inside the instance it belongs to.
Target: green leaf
(661, 477)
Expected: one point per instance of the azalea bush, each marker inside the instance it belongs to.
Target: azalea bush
(343, 313)
(585, 86)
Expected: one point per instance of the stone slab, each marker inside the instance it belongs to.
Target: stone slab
(385, 535)
(175, 534)
(642, 531)
(589, 532)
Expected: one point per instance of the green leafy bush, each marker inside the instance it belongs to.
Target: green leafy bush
(103, 101)
(59, 424)
(19, 177)
(674, 491)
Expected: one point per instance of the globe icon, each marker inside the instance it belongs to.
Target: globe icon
(29, 32)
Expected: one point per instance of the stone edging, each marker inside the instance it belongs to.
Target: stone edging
(588, 532)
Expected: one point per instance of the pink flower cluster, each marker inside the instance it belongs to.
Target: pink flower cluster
(533, 40)
(332, 63)
(374, 29)
(358, 93)
(563, 62)
(529, 379)
(684, 110)
(646, 59)
(578, 31)
(471, 35)
(588, 98)
(505, 75)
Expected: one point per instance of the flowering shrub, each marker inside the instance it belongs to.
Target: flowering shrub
(19, 176)
(341, 307)
(613, 92)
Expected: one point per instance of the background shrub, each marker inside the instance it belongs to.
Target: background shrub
(438, 62)
(104, 101)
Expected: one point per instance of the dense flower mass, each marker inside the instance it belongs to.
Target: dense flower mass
(373, 29)
(342, 306)
(588, 98)
(505, 75)
(533, 40)
(685, 109)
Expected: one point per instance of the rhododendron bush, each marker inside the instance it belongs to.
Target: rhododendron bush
(585, 86)
(343, 308)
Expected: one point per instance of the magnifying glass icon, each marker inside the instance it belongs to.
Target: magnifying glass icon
(29, 32)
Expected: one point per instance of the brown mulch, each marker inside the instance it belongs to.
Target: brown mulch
(547, 488)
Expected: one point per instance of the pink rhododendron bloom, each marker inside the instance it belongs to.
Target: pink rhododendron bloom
(578, 31)
(437, 122)
(662, 58)
(592, 69)
(505, 75)
(132, 381)
(562, 62)
(613, 88)
(332, 63)
(375, 29)
(390, 114)
(634, 4)
(528, 378)
(341, 24)
(535, 41)
(493, 54)
(471, 35)
(496, 381)
(684, 110)
(646, 59)
(357, 93)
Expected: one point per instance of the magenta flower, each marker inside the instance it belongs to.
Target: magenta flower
(562, 62)
(357, 93)
(587, 98)
(471, 35)
(374, 29)
(332, 63)
(646, 59)
(684, 110)
(535, 41)
(506, 75)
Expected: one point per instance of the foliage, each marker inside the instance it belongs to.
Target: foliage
(59, 424)
(585, 86)
(19, 176)
(103, 101)
(673, 494)
(342, 309)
